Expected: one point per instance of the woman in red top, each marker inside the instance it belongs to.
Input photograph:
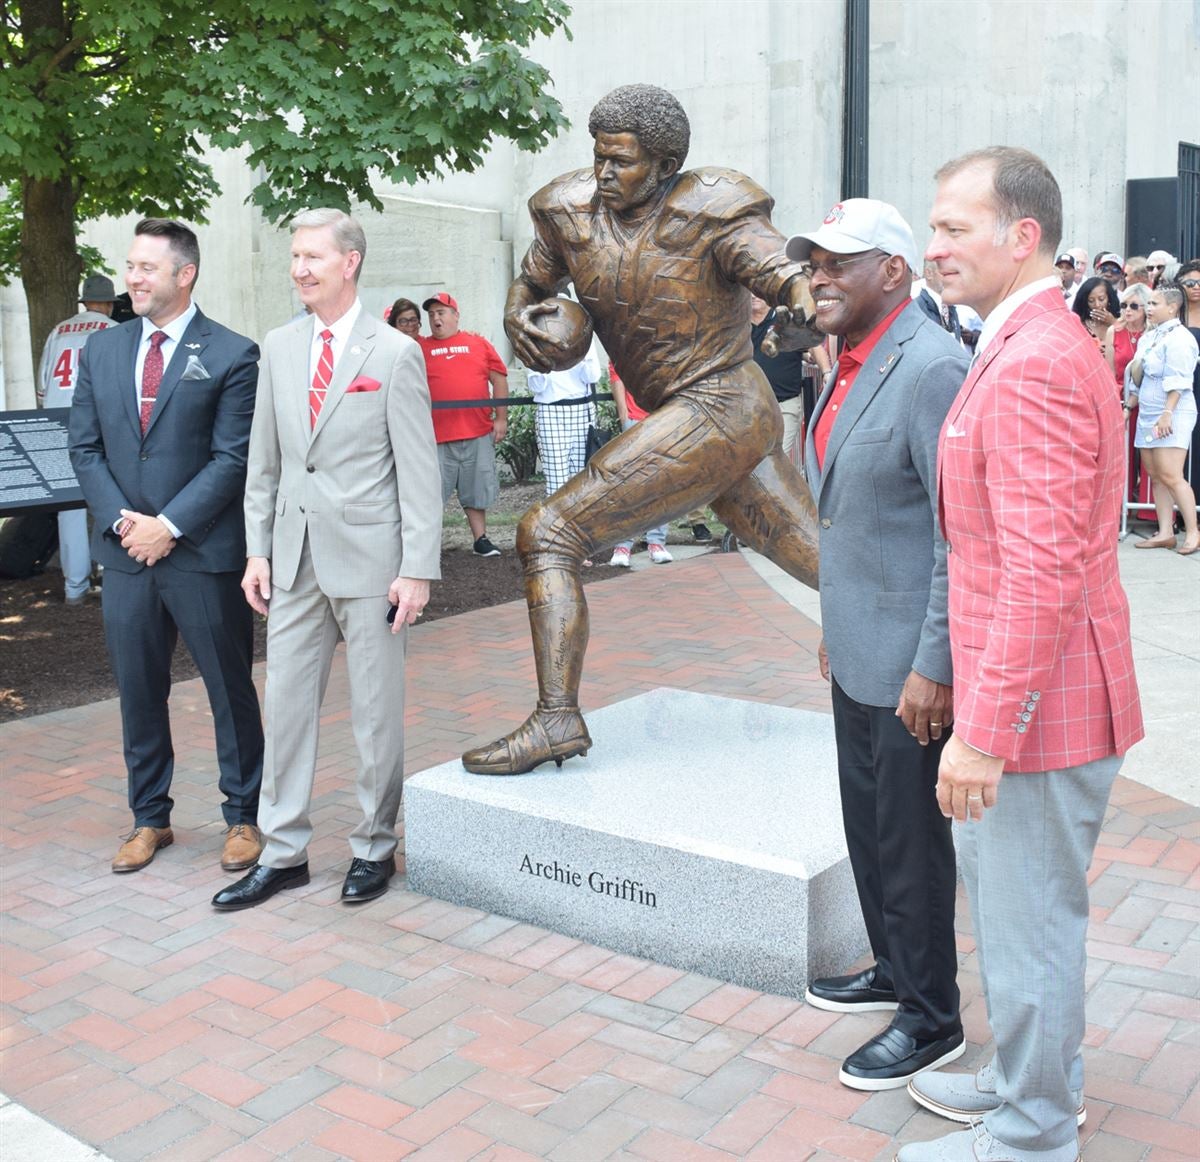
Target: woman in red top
(1124, 336)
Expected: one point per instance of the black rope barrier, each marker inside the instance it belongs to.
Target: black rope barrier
(517, 401)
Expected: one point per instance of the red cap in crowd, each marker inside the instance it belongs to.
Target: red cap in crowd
(441, 297)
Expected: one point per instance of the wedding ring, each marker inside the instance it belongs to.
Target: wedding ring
(974, 798)
(932, 723)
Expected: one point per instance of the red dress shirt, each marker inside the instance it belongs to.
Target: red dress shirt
(848, 365)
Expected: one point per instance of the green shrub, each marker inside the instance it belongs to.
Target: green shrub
(518, 449)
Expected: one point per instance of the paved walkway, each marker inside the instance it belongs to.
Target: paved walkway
(147, 1026)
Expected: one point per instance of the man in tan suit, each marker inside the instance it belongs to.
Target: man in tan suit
(343, 534)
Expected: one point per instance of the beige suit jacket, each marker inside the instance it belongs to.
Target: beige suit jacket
(363, 485)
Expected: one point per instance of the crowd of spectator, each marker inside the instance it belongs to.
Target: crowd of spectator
(1144, 316)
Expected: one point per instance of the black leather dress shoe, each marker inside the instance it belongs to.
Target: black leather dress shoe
(889, 1060)
(367, 879)
(851, 994)
(261, 884)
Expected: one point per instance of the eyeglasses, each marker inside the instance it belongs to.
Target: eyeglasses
(835, 266)
(1190, 283)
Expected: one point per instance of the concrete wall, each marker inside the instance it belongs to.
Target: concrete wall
(1098, 88)
(1101, 88)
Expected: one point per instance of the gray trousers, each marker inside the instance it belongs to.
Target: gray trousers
(1025, 866)
(74, 551)
(302, 631)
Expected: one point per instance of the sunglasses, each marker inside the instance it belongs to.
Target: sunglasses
(1156, 266)
(1190, 283)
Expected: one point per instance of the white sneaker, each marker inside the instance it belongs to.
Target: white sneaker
(659, 554)
(620, 558)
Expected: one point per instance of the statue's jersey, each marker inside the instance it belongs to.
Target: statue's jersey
(667, 294)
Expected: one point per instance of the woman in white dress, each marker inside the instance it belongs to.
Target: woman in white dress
(1159, 379)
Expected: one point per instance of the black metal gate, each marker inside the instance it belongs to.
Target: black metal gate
(1188, 201)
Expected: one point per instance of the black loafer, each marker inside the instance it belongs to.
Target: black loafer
(891, 1059)
(367, 879)
(851, 994)
(261, 884)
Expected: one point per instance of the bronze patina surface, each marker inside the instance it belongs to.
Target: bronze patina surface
(664, 262)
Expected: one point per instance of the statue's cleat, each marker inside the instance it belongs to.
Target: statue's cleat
(545, 735)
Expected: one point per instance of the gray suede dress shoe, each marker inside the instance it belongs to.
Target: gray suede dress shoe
(977, 1145)
(965, 1097)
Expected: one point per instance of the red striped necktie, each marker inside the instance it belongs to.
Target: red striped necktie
(320, 383)
(152, 373)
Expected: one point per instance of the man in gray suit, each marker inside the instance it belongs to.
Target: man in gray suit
(871, 459)
(343, 534)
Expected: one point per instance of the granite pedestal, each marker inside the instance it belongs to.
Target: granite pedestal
(700, 832)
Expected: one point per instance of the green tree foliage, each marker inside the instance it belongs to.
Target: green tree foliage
(109, 106)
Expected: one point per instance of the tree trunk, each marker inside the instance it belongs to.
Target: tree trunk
(50, 263)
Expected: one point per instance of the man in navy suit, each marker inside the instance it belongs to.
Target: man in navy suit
(159, 432)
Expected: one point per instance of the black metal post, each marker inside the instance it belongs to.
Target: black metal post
(856, 99)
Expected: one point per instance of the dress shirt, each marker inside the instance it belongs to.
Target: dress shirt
(848, 366)
(1004, 310)
(341, 329)
(174, 333)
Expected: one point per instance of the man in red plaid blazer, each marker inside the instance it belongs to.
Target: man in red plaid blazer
(1046, 702)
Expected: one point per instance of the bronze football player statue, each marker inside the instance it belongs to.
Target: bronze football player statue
(663, 261)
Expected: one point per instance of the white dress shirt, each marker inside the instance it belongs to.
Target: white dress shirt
(174, 333)
(1005, 310)
(341, 329)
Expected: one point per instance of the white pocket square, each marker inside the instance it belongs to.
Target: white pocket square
(195, 369)
(953, 433)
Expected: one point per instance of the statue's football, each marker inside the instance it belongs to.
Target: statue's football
(569, 325)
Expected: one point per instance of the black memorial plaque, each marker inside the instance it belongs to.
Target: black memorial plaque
(35, 470)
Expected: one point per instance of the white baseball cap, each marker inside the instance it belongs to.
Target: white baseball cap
(857, 225)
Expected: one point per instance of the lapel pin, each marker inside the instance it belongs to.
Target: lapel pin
(192, 346)
(356, 350)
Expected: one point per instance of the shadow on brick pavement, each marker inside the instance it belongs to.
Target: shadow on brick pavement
(148, 1026)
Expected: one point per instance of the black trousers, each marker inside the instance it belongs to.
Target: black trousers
(144, 615)
(903, 860)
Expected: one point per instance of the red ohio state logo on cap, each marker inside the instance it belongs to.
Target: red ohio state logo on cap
(835, 215)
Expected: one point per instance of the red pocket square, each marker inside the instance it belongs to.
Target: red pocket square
(364, 383)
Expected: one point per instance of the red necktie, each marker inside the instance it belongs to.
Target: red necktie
(152, 373)
(320, 383)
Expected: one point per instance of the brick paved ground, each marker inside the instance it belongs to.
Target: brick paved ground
(149, 1026)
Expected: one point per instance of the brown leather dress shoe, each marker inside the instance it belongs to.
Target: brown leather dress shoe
(139, 847)
(243, 846)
